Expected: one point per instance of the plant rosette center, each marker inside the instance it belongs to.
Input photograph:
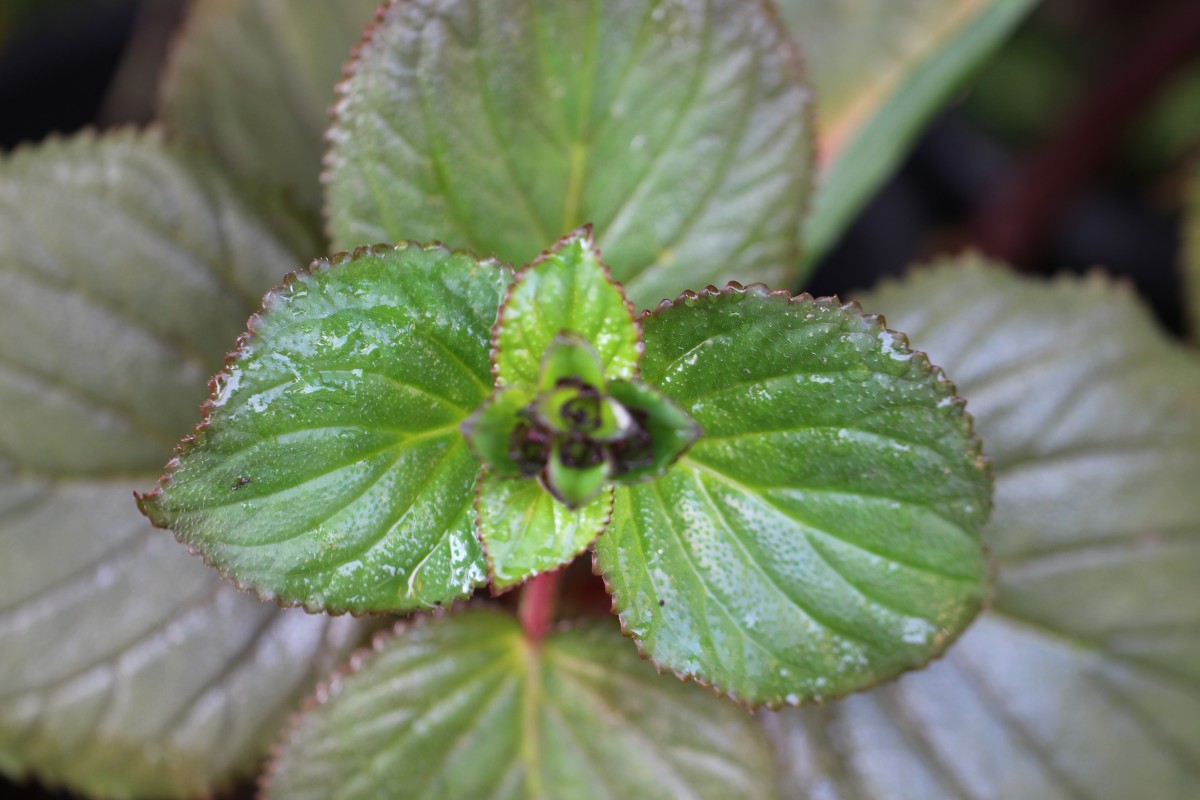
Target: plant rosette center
(575, 432)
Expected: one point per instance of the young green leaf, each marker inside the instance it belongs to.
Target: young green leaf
(881, 68)
(526, 531)
(681, 129)
(823, 534)
(465, 706)
(567, 290)
(251, 82)
(329, 470)
(1082, 680)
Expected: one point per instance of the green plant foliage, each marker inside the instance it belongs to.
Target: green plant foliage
(525, 530)
(881, 68)
(566, 289)
(681, 129)
(251, 82)
(1083, 679)
(97, 238)
(566, 411)
(127, 668)
(465, 706)
(822, 535)
(329, 470)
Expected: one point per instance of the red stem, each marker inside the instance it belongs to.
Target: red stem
(1027, 206)
(539, 600)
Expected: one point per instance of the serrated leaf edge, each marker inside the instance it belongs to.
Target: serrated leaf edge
(275, 295)
(921, 362)
(584, 234)
(491, 569)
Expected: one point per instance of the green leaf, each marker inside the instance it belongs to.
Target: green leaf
(568, 289)
(571, 357)
(526, 531)
(489, 432)
(881, 69)
(1084, 678)
(126, 270)
(682, 130)
(330, 471)
(464, 706)
(669, 431)
(127, 668)
(251, 82)
(823, 534)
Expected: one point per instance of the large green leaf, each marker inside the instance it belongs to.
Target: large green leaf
(330, 470)
(823, 533)
(125, 273)
(680, 129)
(465, 706)
(1084, 678)
(881, 68)
(251, 82)
(127, 668)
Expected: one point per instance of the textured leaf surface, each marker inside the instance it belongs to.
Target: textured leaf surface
(680, 129)
(251, 82)
(330, 470)
(464, 706)
(823, 533)
(568, 289)
(526, 531)
(125, 274)
(127, 668)
(1084, 679)
(881, 68)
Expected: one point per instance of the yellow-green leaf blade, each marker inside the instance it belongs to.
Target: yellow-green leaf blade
(881, 68)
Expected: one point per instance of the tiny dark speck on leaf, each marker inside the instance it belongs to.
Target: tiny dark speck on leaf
(241, 481)
(662, 603)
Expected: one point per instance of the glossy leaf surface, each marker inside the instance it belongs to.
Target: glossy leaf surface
(526, 531)
(881, 68)
(127, 668)
(1084, 678)
(823, 533)
(330, 470)
(251, 82)
(125, 273)
(464, 706)
(568, 290)
(680, 129)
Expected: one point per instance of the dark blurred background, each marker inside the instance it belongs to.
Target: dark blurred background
(1067, 151)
